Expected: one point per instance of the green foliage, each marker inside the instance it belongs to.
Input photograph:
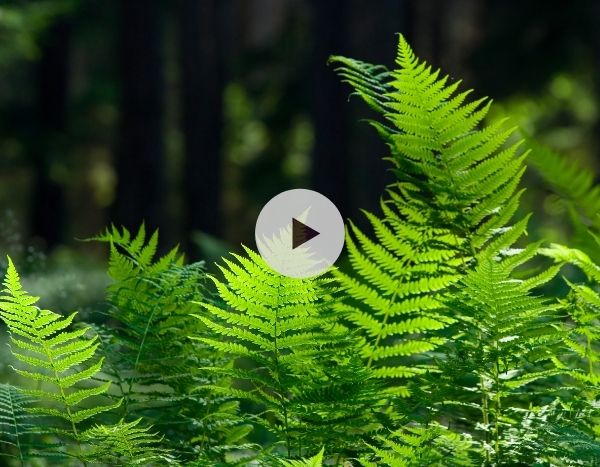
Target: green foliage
(61, 361)
(126, 444)
(419, 446)
(506, 342)
(315, 461)
(17, 425)
(150, 357)
(455, 194)
(290, 356)
(445, 342)
(568, 179)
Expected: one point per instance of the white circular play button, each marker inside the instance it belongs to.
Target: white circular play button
(299, 233)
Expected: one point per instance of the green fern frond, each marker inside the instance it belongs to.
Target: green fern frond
(583, 306)
(507, 345)
(552, 435)
(293, 358)
(315, 461)
(126, 444)
(453, 201)
(60, 361)
(19, 429)
(416, 446)
(149, 355)
(568, 179)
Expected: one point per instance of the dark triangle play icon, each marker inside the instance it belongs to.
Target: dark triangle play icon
(301, 233)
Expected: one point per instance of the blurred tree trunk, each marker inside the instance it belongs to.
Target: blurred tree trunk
(140, 160)
(49, 141)
(202, 92)
(374, 39)
(330, 164)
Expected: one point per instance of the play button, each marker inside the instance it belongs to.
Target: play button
(300, 233)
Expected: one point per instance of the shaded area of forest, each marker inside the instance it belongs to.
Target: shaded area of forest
(190, 114)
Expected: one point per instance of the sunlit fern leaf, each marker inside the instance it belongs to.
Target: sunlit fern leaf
(453, 201)
(126, 444)
(149, 356)
(416, 446)
(61, 362)
(315, 461)
(20, 430)
(508, 342)
(293, 359)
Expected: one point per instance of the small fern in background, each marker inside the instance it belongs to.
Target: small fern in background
(126, 444)
(19, 428)
(150, 357)
(415, 446)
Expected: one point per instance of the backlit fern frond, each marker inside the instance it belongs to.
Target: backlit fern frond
(453, 201)
(292, 357)
(125, 444)
(61, 362)
(149, 355)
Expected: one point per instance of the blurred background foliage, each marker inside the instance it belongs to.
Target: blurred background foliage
(190, 114)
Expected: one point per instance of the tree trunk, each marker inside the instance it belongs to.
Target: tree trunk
(202, 90)
(140, 160)
(330, 165)
(49, 141)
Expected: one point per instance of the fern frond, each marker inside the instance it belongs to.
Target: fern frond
(62, 362)
(315, 461)
(126, 444)
(149, 355)
(415, 446)
(508, 343)
(568, 179)
(453, 201)
(293, 358)
(20, 430)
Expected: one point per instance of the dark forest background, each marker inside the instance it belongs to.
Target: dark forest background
(191, 114)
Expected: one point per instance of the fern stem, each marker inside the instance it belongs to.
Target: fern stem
(136, 363)
(280, 389)
(590, 354)
(497, 408)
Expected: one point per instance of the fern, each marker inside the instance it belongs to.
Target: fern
(552, 435)
(126, 444)
(19, 429)
(149, 355)
(583, 306)
(315, 461)
(416, 446)
(507, 344)
(453, 200)
(566, 177)
(61, 362)
(293, 359)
